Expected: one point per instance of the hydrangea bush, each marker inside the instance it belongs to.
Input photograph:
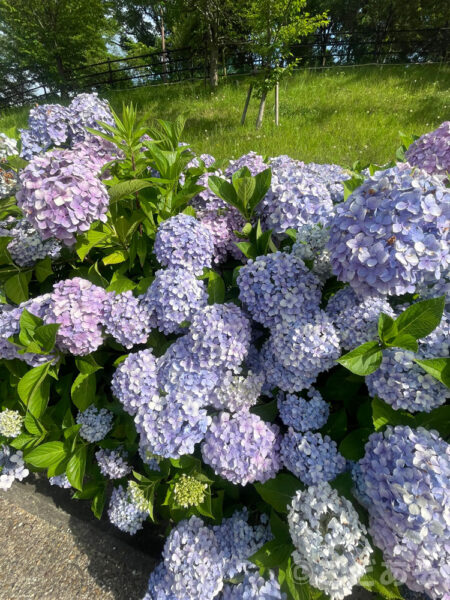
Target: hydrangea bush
(253, 360)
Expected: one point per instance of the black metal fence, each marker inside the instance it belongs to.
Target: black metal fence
(322, 49)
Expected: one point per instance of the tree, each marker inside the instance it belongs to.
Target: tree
(49, 39)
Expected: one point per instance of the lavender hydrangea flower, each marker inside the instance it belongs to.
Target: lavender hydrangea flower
(332, 176)
(112, 463)
(27, 247)
(222, 221)
(254, 587)
(12, 466)
(95, 423)
(311, 245)
(278, 287)
(60, 481)
(184, 242)
(11, 422)
(61, 196)
(78, 306)
(123, 513)
(193, 560)
(87, 110)
(303, 349)
(431, 152)
(331, 545)
(147, 456)
(242, 448)
(254, 163)
(48, 126)
(127, 319)
(159, 585)
(134, 382)
(302, 414)
(236, 392)
(392, 233)
(406, 474)
(8, 147)
(311, 457)
(173, 298)
(238, 540)
(357, 322)
(96, 152)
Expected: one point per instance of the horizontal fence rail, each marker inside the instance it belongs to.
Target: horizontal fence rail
(324, 49)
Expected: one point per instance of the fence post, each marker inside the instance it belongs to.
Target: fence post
(110, 73)
(277, 103)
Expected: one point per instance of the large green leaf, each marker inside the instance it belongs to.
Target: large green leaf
(16, 287)
(46, 454)
(279, 491)
(383, 414)
(76, 467)
(364, 359)
(33, 389)
(224, 189)
(89, 240)
(83, 390)
(127, 188)
(216, 288)
(379, 580)
(439, 368)
(421, 318)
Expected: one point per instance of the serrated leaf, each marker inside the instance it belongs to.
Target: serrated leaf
(279, 491)
(439, 368)
(126, 188)
(120, 285)
(90, 240)
(216, 288)
(363, 360)
(45, 335)
(352, 446)
(385, 325)
(383, 414)
(46, 454)
(83, 390)
(224, 189)
(86, 364)
(32, 390)
(244, 186)
(76, 467)
(405, 341)
(421, 318)
(262, 185)
(28, 323)
(115, 258)
(43, 269)
(16, 287)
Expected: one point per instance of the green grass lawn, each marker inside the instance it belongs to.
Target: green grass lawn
(337, 115)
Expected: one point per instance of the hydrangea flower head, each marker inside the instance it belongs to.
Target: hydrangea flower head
(78, 306)
(278, 287)
(174, 297)
(392, 232)
(236, 392)
(189, 491)
(48, 126)
(254, 163)
(61, 196)
(112, 463)
(184, 242)
(95, 423)
(303, 414)
(406, 475)
(127, 319)
(134, 382)
(431, 152)
(8, 147)
(96, 151)
(331, 545)
(60, 481)
(311, 456)
(12, 466)
(27, 247)
(222, 221)
(254, 587)
(87, 110)
(242, 448)
(11, 422)
(123, 513)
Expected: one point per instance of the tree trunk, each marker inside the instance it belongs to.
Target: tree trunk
(247, 102)
(213, 55)
(277, 103)
(262, 106)
(163, 44)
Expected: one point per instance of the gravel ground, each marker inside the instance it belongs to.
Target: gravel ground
(41, 560)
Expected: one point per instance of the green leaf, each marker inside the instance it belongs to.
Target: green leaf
(33, 389)
(405, 341)
(224, 189)
(421, 318)
(120, 285)
(45, 335)
(98, 503)
(385, 325)
(43, 269)
(216, 288)
(26, 441)
(245, 187)
(383, 414)
(90, 240)
(267, 411)
(247, 249)
(272, 554)
(76, 467)
(28, 323)
(350, 185)
(46, 455)
(297, 582)
(438, 419)
(439, 368)
(364, 359)
(279, 491)
(87, 365)
(127, 188)
(262, 185)
(352, 446)
(83, 390)
(115, 258)
(16, 287)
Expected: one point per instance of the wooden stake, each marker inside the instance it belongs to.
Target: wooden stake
(262, 106)
(277, 104)
(247, 102)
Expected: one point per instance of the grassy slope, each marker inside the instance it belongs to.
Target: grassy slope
(337, 115)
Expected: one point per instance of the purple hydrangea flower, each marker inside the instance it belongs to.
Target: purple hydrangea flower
(123, 513)
(311, 456)
(311, 245)
(87, 110)
(254, 587)
(78, 306)
(242, 448)
(61, 196)
(48, 126)
(60, 481)
(184, 242)
(127, 319)
(95, 423)
(236, 392)
(222, 221)
(254, 163)
(96, 152)
(331, 545)
(431, 152)
(112, 463)
(12, 466)
(174, 297)
(134, 382)
(406, 474)
(278, 287)
(303, 414)
(147, 456)
(27, 247)
(332, 176)
(392, 233)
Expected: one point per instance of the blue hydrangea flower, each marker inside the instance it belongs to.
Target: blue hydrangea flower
(27, 247)
(222, 221)
(183, 242)
(254, 163)
(12, 466)
(311, 456)
(88, 110)
(242, 448)
(332, 549)
(406, 475)
(332, 176)
(134, 382)
(254, 587)
(127, 319)
(60, 481)
(278, 287)
(61, 196)
(47, 127)
(112, 463)
(95, 423)
(392, 233)
(431, 152)
(123, 513)
(303, 414)
(236, 392)
(173, 298)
